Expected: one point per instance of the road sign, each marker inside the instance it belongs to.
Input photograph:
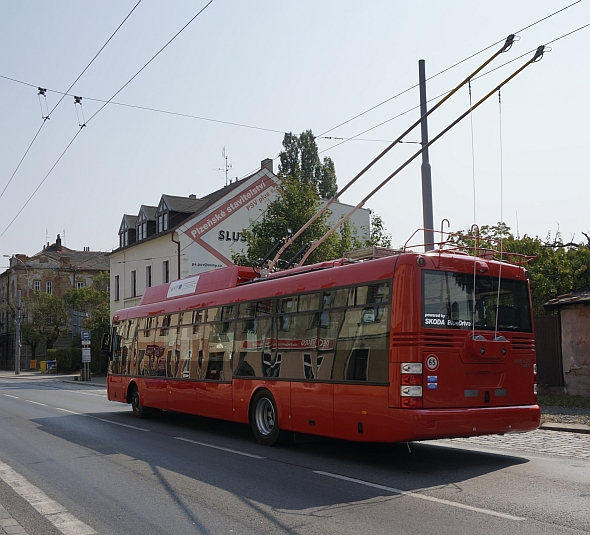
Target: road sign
(85, 335)
(85, 354)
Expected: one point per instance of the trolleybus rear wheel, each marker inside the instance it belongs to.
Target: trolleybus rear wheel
(139, 411)
(264, 420)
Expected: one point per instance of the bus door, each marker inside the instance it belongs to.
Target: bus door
(306, 350)
(182, 392)
(214, 391)
(361, 369)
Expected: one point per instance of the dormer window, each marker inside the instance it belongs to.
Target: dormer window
(163, 222)
(142, 231)
(127, 231)
(163, 215)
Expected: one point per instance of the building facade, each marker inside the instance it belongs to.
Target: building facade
(185, 236)
(54, 270)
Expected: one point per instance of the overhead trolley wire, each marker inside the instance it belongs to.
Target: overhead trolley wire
(97, 112)
(445, 70)
(43, 91)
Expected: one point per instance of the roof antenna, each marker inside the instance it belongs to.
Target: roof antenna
(227, 167)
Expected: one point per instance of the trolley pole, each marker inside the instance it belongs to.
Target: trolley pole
(17, 345)
(428, 218)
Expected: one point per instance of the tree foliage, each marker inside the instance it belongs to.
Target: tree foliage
(43, 318)
(96, 301)
(556, 269)
(296, 204)
(300, 159)
(305, 183)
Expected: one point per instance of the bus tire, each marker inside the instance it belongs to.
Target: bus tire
(264, 420)
(139, 411)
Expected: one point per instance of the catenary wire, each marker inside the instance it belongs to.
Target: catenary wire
(444, 70)
(97, 112)
(63, 96)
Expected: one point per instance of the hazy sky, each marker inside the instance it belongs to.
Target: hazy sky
(274, 67)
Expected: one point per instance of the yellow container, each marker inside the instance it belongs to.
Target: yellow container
(43, 365)
(33, 365)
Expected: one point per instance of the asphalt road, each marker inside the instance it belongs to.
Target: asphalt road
(73, 462)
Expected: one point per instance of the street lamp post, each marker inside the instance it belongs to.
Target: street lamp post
(18, 320)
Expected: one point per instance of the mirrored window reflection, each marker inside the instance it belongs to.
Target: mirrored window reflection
(125, 354)
(219, 351)
(362, 350)
(254, 348)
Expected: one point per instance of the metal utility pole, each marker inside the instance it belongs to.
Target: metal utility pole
(17, 346)
(428, 218)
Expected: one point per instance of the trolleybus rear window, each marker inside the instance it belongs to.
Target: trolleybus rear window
(450, 303)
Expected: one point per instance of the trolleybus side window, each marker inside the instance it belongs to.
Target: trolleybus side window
(254, 344)
(362, 350)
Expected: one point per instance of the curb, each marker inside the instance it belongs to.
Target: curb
(570, 428)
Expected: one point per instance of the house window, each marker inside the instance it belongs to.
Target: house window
(80, 285)
(117, 296)
(134, 283)
(49, 287)
(166, 271)
(124, 239)
(148, 276)
(142, 231)
(163, 222)
(37, 286)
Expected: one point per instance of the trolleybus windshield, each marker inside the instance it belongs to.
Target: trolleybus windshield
(449, 302)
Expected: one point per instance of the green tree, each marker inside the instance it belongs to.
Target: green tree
(300, 159)
(44, 319)
(296, 204)
(94, 300)
(47, 317)
(377, 235)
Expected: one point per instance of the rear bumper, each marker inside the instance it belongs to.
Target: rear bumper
(427, 424)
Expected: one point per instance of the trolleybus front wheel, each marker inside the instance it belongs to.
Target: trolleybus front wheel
(264, 420)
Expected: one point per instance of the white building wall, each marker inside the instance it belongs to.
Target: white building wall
(152, 252)
(206, 241)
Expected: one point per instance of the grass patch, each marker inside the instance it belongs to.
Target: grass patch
(563, 400)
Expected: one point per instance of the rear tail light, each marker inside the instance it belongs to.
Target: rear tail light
(411, 403)
(535, 388)
(411, 385)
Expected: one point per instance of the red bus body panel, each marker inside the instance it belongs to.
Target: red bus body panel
(476, 393)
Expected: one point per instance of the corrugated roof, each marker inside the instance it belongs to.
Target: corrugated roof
(575, 297)
(186, 205)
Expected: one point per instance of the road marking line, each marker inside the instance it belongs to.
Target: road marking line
(9, 396)
(117, 423)
(421, 496)
(71, 412)
(220, 448)
(35, 402)
(57, 514)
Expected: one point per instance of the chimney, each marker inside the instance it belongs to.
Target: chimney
(58, 243)
(192, 196)
(267, 164)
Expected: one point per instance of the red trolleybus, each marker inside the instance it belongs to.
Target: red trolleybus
(405, 347)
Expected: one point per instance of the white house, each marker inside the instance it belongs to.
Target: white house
(184, 236)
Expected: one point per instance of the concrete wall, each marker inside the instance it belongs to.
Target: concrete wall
(575, 343)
